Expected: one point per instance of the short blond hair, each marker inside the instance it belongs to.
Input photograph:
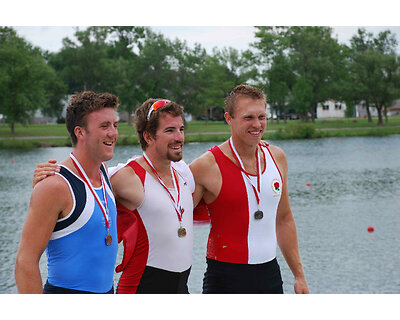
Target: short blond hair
(245, 91)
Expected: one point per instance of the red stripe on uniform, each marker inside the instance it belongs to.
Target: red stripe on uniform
(229, 215)
(136, 244)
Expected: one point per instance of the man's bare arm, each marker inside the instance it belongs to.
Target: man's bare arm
(207, 178)
(286, 227)
(127, 188)
(43, 213)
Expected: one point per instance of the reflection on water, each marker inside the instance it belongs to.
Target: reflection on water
(353, 183)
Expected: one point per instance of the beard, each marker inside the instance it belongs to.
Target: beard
(174, 156)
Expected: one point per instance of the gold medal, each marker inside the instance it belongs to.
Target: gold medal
(258, 215)
(181, 232)
(108, 240)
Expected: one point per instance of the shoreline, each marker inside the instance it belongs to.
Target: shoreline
(292, 133)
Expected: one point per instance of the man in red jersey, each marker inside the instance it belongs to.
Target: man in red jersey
(244, 186)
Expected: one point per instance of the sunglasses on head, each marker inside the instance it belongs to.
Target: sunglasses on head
(155, 106)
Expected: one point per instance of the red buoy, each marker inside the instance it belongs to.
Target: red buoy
(370, 229)
(307, 184)
(12, 161)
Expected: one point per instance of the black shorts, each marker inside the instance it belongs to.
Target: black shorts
(159, 281)
(223, 277)
(50, 289)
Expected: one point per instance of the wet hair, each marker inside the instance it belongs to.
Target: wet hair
(83, 103)
(151, 125)
(242, 90)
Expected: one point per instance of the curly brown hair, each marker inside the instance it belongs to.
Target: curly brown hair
(83, 103)
(151, 125)
(242, 90)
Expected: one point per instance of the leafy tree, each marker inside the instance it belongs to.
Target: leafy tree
(280, 81)
(154, 68)
(125, 61)
(83, 63)
(186, 83)
(317, 57)
(313, 55)
(24, 78)
(374, 70)
(217, 76)
(302, 96)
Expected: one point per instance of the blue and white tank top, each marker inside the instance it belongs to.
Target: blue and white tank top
(77, 255)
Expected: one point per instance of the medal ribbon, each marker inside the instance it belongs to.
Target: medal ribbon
(176, 203)
(257, 188)
(87, 181)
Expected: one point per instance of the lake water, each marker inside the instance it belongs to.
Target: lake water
(353, 184)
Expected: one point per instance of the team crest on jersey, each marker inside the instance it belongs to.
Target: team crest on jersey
(276, 186)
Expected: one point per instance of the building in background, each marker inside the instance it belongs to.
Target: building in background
(331, 109)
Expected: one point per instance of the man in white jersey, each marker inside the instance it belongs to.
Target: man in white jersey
(245, 189)
(72, 214)
(155, 206)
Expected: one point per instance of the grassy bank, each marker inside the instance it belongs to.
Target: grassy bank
(38, 136)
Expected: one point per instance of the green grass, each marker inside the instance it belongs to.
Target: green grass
(41, 130)
(56, 130)
(307, 133)
(207, 137)
(216, 131)
(212, 126)
(220, 126)
(34, 143)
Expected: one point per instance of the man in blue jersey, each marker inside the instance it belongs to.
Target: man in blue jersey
(72, 214)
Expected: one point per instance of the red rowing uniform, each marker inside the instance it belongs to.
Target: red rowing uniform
(235, 235)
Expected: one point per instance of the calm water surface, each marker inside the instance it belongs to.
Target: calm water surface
(354, 183)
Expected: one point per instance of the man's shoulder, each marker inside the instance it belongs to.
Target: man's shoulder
(208, 158)
(44, 191)
(55, 183)
(204, 160)
(125, 178)
(125, 172)
(276, 152)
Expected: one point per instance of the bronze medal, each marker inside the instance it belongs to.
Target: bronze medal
(258, 215)
(181, 232)
(108, 240)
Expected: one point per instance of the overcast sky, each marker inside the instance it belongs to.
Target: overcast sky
(212, 23)
(239, 37)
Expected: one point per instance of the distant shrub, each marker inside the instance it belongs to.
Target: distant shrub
(300, 131)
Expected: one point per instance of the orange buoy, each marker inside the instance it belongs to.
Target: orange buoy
(12, 161)
(370, 229)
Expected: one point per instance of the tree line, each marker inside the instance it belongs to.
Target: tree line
(298, 67)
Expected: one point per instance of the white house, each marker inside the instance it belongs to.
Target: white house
(331, 109)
